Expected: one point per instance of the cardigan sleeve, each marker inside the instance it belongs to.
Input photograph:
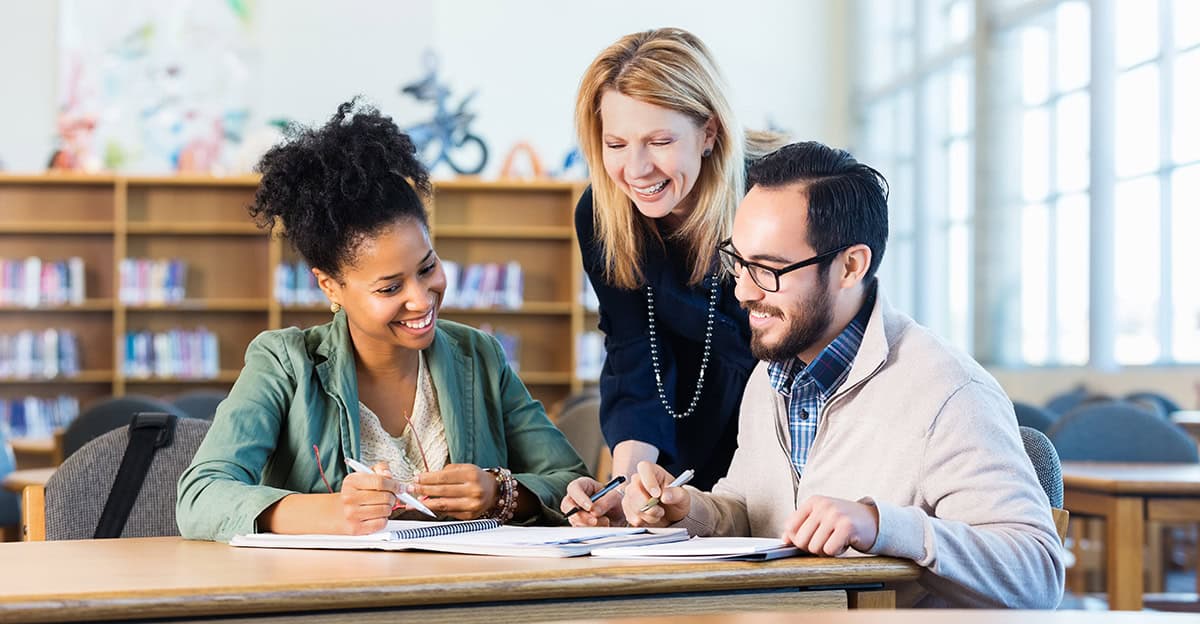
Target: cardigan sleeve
(1001, 549)
(630, 408)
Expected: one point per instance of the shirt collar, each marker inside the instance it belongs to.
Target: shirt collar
(831, 366)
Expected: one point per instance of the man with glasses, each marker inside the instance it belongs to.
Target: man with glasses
(859, 429)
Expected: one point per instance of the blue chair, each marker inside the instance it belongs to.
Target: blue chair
(10, 504)
(1162, 403)
(1034, 416)
(200, 404)
(1066, 401)
(109, 414)
(1117, 431)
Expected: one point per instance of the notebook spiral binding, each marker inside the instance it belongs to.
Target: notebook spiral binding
(447, 528)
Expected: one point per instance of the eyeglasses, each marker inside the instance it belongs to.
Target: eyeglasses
(765, 277)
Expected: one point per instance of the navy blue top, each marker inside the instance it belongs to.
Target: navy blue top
(630, 408)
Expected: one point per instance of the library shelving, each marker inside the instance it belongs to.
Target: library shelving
(230, 268)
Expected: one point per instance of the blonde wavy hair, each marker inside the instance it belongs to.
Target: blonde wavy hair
(673, 69)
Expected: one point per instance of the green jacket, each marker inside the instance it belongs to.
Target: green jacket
(299, 389)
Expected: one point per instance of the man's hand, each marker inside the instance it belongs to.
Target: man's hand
(651, 481)
(828, 526)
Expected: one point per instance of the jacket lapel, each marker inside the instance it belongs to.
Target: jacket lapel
(336, 372)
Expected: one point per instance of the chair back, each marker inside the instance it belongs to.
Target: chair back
(1066, 401)
(1117, 431)
(109, 414)
(1161, 402)
(76, 493)
(1049, 473)
(579, 420)
(200, 404)
(1034, 416)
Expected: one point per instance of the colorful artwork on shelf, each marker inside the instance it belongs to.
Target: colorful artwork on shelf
(156, 87)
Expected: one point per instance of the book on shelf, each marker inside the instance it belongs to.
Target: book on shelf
(34, 282)
(295, 284)
(472, 537)
(36, 417)
(172, 354)
(42, 354)
(146, 281)
(705, 549)
(484, 285)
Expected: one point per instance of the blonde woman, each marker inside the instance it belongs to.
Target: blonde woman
(667, 161)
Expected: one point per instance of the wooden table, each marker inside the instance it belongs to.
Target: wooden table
(1127, 496)
(168, 577)
(1189, 421)
(16, 480)
(917, 616)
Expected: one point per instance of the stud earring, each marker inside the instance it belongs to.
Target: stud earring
(706, 153)
(335, 307)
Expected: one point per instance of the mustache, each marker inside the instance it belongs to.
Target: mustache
(762, 308)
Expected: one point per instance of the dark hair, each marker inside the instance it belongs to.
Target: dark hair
(336, 185)
(847, 200)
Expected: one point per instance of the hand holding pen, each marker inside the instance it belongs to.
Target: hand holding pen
(587, 503)
(401, 495)
(655, 498)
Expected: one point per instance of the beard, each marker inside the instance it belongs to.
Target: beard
(805, 329)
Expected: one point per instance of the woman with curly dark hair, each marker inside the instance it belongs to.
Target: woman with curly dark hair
(430, 404)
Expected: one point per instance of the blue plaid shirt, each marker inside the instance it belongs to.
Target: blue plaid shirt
(806, 388)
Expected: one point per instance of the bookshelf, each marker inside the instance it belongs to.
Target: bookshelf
(230, 268)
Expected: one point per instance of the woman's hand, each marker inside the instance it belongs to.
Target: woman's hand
(605, 511)
(367, 499)
(461, 491)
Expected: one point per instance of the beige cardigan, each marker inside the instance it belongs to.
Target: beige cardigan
(927, 435)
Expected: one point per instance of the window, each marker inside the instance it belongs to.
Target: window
(916, 105)
(1012, 269)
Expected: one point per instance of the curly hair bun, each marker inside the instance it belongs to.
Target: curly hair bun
(333, 186)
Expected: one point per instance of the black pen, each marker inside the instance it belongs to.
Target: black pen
(617, 480)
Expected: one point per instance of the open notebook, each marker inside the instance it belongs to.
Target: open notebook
(473, 537)
(704, 549)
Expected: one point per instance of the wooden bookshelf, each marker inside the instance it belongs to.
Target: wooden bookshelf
(231, 266)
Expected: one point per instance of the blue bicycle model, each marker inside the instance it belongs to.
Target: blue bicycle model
(447, 137)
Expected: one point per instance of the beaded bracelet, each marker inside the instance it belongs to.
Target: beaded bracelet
(506, 500)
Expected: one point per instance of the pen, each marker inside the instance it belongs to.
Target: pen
(404, 497)
(617, 480)
(680, 480)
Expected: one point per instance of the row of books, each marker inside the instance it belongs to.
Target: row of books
(34, 417)
(487, 285)
(149, 281)
(33, 282)
(177, 353)
(40, 354)
(296, 285)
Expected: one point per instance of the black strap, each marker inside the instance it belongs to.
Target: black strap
(148, 432)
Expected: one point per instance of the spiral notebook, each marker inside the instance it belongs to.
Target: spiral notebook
(473, 537)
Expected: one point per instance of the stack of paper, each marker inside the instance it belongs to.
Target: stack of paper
(705, 549)
(474, 537)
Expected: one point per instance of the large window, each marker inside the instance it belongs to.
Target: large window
(915, 108)
(1157, 146)
(1011, 240)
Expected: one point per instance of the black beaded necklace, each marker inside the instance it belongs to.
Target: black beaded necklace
(708, 330)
